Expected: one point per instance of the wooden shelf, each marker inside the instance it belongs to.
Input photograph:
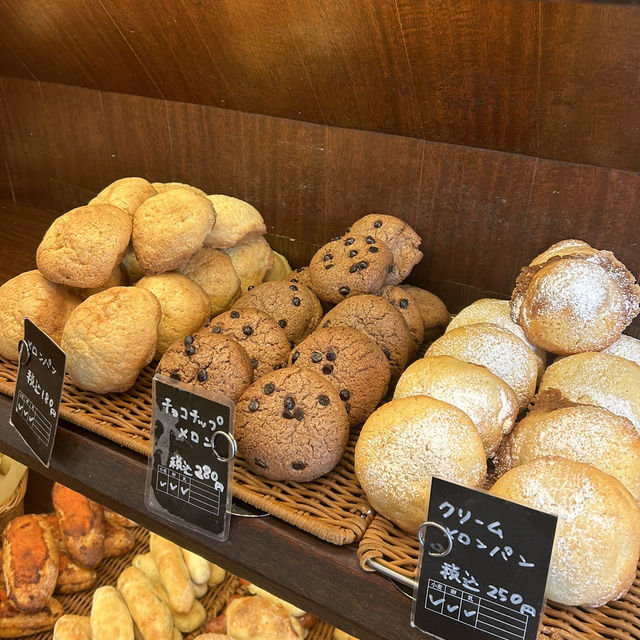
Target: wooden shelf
(316, 576)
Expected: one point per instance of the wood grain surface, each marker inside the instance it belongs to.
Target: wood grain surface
(590, 84)
(206, 148)
(73, 42)
(475, 71)
(557, 80)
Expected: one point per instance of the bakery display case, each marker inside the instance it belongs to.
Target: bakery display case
(493, 129)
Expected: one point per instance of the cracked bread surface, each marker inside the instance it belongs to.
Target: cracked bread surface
(350, 265)
(352, 362)
(378, 319)
(259, 334)
(291, 425)
(294, 307)
(401, 239)
(209, 361)
(82, 247)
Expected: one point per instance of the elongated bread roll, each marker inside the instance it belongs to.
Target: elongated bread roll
(217, 575)
(148, 566)
(189, 622)
(110, 618)
(173, 573)
(150, 613)
(18, 624)
(199, 568)
(30, 562)
(82, 525)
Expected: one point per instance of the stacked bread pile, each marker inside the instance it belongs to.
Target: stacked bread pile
(306, 379)
(157, 598)
(55, 553)
(188, 254)
(575, 453)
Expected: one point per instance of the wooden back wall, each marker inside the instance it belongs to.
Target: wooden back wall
(294, 105)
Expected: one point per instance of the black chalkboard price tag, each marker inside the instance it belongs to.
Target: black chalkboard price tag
(191, 465)
(36, 401)
(483, 567)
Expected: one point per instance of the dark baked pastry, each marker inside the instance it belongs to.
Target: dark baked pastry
(294, 306)
(352, 362)
(291, 425)
(348, 266)
(210, 361)
(403, 241)
(381, 321)
(259, 334)
(406, 304)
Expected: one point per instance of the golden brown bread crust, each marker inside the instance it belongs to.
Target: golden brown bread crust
(169, 227)
(30, 562)
(72, 627)
(82, 525)
(126, 194)
(255, 617)
(575, 303)
(31, 295)
(118, 520)
(598, 535)
(117, 541)
(54, 524)
(18, 624)
(82, 247)
(72, 577)
(110, 337)
(173, 572)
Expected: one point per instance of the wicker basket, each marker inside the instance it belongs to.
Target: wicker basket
(332, 508)
(14, 506)
(395, 550)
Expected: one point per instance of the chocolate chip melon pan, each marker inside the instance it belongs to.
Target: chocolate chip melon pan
(332, 508)
(386, 546)
(110, 569)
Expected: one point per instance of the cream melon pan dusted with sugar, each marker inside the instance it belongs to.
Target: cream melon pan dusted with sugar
(581, 433)
(599, 379)
(486, 399)
(496, 312)
(498, 350)
(575, 303)
(407, 441)
(626, 347)
(598, 535)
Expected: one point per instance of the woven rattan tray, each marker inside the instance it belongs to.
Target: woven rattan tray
(332, 508)
(109, 570)
(390, 547)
